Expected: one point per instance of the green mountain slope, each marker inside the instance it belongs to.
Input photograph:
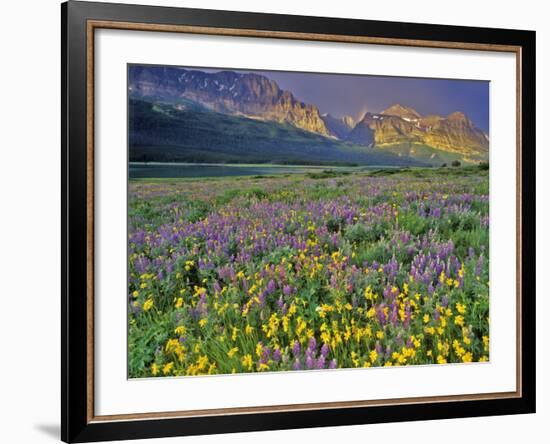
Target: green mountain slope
(423, 153)
(185, 131)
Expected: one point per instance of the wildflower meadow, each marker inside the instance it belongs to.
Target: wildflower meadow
(308, 271)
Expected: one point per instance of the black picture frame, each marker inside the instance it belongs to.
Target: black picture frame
(76, 423)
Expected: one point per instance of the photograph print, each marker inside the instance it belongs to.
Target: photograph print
(296, 221)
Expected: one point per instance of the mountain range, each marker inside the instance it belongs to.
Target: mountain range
(245, 116)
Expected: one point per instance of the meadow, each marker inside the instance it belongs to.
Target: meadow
(320, 270)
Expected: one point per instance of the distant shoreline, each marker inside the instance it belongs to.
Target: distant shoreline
(190, 170)
(264, 165)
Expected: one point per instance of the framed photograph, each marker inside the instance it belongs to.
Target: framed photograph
(275, 221)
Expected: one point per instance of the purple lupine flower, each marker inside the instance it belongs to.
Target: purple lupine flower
(297, 365)
(312, 344)
(309, 362)
(407, 314)
(270, 286)
(324, 350)
(286, 290)
(266, 353)
(399, 340)
(320, 363)
(394, 314)
(217, 287)
(261, 298)
(277, 354)
(296, 348)
(332, 364)
(479, 265)
(381, 315)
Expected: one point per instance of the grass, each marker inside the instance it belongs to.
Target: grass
(317, 270)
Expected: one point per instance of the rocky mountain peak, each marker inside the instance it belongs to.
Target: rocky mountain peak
(459, 118)
(348, 121)
(249, 94)
(404, 112)
(339, 127)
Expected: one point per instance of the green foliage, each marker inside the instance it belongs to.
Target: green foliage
(238, 269)
(198, 210)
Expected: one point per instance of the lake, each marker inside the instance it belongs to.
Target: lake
(149, 170)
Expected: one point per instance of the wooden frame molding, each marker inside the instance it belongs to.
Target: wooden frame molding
(92, 25)
(80, 20)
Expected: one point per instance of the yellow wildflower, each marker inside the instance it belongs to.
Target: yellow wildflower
(485, 342)
(373, 355)
(247, 361)
(154, 369)
(292, 309)
(148, 304)
(259, 349)
(168, 368)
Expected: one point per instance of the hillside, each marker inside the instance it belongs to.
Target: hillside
(189, 132)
